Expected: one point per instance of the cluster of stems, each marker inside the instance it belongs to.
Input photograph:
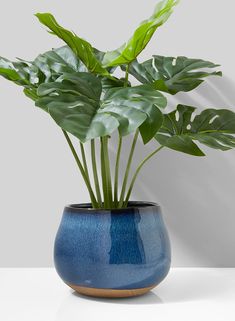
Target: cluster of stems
(108, 197)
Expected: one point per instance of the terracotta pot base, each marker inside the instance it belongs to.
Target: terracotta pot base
(110, 293)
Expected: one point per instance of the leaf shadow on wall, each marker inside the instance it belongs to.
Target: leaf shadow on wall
(196, 193)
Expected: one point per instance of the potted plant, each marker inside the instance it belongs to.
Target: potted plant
(112, 246)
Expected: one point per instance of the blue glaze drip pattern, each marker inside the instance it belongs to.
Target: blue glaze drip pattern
(112, 249)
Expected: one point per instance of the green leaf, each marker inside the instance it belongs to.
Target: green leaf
(19, 72)
(108, 83)
(212, 128)
(172, 75)
(31, 93)
(8, 71)
(45, 68)
(48, 67)
(74, 102)
(142, 35)
(80, 47)
(55, 62)
(143, 99)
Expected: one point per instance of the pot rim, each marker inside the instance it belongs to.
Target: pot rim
(132, 206)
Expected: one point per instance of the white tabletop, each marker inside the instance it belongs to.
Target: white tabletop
(186, 294)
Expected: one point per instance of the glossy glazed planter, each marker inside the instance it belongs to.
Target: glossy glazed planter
(112, 253)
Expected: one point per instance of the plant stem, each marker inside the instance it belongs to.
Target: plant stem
(116, 204)
(103, 173)
(84, 160)
(107, 172)
(127, 172)
(85, 167)
(137, 172)
(92, 196)
(94, 167)
(117, 171)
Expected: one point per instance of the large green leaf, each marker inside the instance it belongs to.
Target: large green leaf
(171, 74)
(48, 67)
(55, 62)
(81, 47)
(212, 128)
(8, 71)
(74, 102)
(45, 68)
(141, 98)
(20, 72)
(142, 35)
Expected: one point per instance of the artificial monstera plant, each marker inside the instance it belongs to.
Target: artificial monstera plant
(77, 86)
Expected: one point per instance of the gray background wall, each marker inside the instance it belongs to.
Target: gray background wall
(37, 173)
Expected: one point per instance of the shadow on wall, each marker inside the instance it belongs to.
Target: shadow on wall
(196, 193)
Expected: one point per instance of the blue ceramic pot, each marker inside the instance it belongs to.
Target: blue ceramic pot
(112, 253)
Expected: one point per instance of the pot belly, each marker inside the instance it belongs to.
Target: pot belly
(113, 254)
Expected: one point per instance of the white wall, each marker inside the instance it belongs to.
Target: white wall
(37, 173)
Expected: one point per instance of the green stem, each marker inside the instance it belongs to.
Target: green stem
(85, 167)
(103, 173)
(117, 171)
(127, 172)
(137, 172)
(84, 160)
(107, 172)
(92, 196)
(94, 167)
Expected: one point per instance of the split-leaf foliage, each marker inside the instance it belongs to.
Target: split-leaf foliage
(77, 86)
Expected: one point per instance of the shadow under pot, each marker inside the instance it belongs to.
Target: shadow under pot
(112, 253)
